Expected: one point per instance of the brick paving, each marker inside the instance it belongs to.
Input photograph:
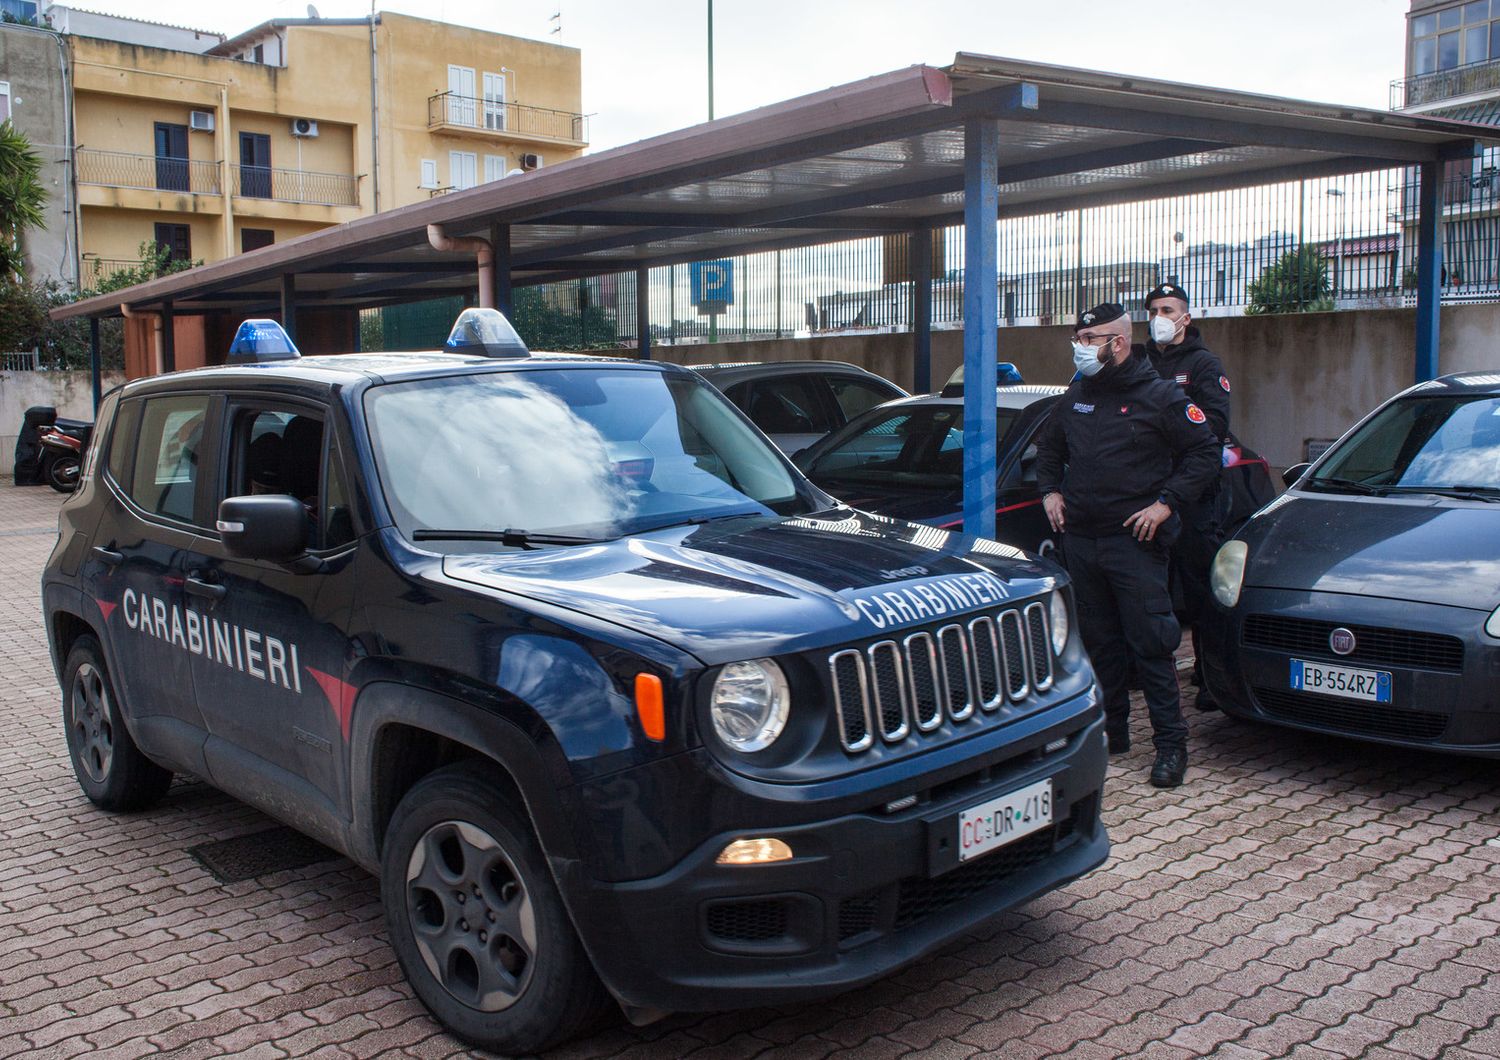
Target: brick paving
(1305, 897)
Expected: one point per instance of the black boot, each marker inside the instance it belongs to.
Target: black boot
(1119, 742)
(1205, 700)
(1170, 768)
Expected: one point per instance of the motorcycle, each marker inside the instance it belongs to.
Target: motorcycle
(62, 444)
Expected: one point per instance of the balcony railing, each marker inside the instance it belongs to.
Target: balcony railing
(1445, 84)
(117, 169)
(491, 115)
(93, 271)
(295, 185)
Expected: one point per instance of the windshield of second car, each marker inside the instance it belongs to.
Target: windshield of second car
(919, 446)
(1421, 443)
(592, 452)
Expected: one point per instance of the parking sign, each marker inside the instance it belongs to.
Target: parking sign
(712, 284)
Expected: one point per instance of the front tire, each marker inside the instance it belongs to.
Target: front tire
(110, 768)
(476, 921)
(62, 473)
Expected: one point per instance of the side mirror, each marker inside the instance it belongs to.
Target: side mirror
(1293, 473)
(273, 527)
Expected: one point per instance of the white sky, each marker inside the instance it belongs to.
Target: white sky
(644, 61)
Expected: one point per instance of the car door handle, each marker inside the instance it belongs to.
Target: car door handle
(209, 590)
(108, 555)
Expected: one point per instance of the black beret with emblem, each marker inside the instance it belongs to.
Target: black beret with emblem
(1100, 314)
(1166, 290)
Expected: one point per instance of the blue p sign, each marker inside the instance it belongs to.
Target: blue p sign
(713, 282)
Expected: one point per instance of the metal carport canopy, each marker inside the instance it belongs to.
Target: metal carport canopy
(900, 152)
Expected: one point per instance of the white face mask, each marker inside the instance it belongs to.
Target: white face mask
(1163, 330)
(1086, 358)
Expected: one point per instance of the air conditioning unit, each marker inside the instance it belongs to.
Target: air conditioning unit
(201, 120)
(529, 162)
(304, 127)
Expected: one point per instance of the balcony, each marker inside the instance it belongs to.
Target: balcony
(1471, 80)
(510, 121)
(295, 185)
(117, 169)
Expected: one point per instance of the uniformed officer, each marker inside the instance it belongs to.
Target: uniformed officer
(1120, 455)
(1177, 353)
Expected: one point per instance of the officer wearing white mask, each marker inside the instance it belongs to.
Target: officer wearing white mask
(1177, 353)
(1120, 453)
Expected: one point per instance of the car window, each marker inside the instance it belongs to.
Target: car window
(787, 406)
(919, 446)
(858, 395)
(278, 451)
(122, 440)
(164, 477)
(1441, 442)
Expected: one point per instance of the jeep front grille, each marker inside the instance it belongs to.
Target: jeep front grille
(892, 688)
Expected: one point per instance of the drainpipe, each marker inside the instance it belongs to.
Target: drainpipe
(374, 108)
(227, 176)
(156, 329)
(485, 253)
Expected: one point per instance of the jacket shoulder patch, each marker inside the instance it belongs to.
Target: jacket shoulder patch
(1195, 414)
(1224, 383)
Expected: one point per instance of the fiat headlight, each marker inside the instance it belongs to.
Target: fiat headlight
(1059, 607)
(1229, 572)
(1492, 627)
(749, 704)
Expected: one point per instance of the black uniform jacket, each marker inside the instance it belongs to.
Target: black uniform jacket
(1112, 446)
(1197, 370)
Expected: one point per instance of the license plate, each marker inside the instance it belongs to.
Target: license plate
(993, 824)
(1373, 686)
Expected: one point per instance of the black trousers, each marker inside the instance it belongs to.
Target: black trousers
(1126, 620)
(1192, 561)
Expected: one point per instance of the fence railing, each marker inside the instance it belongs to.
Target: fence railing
(493, 115)
(21, 361)
(119, 169)
(1445, 84)
(294, 185)
(92, 271)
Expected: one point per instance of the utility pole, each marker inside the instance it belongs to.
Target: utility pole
(710, 60)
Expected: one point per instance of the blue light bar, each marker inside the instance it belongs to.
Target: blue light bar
(1007, 374)
(485, 333)
(261, 340)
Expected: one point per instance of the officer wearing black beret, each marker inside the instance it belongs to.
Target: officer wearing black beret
(1123, 451)
(1177, 353)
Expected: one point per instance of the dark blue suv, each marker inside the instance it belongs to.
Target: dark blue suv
(615, 702)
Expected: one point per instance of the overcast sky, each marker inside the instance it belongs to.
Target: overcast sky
(644, 61)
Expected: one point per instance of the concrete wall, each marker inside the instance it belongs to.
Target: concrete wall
(1296, 377)
(31, 61)
(71, 393)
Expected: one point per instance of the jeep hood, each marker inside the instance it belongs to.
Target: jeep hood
(757, 586)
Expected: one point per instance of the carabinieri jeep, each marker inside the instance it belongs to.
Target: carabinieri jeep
(616, 703)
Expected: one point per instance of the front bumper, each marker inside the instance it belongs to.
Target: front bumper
(867, 892)
(1434, 705)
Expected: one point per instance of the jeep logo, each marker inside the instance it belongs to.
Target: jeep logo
(903, 572)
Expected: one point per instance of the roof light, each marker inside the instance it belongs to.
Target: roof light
(1007, 374)
(485, 333)
(261, 340)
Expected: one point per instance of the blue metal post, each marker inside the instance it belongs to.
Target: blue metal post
(95, 362)
(504, 299)
(921, 310)
(981, 322)
(643, 311)
(1429, 268)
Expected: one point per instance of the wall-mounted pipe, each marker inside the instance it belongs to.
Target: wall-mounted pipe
(485, 256)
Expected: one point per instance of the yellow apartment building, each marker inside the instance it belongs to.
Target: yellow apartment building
(299, 124)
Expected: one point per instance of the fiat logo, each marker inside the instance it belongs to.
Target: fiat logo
(1341, 641)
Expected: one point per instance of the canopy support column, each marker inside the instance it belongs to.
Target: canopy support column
(168, 338)
(289, 305)
(500, 244)
(981, 322)
(95, 363)
(643, 311)
(1429, 268)
(921, 310)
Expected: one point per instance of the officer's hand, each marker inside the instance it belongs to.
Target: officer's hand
(1143, 523)
(1056, 509)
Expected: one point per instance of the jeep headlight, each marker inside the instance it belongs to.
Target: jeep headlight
(1228, 572)
(1492, 627)
(749, 704)
(1059, 608)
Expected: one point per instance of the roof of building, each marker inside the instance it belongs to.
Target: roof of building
(254, 32)
(131, 18)
(882, 155)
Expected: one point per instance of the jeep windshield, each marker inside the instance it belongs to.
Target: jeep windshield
(587, 453)
(1437, 444)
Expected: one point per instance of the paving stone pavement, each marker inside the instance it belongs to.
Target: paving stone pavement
(1305, 897)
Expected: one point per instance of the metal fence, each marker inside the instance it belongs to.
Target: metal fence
(120, 169)
(294, 185)
(1336, 243)
(498, 116)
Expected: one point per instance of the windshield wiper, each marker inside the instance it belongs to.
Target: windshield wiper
(514, 538)
(1465, 492)
(1352, 485)
(696, 520)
